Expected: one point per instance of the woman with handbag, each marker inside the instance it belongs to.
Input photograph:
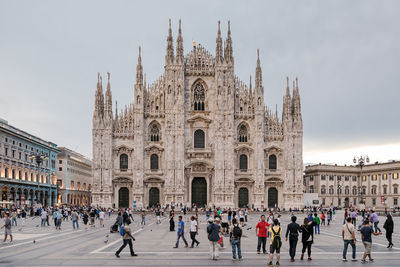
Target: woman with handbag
(307, 237)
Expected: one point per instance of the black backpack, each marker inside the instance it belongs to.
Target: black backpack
(277, 238)
(237, 232)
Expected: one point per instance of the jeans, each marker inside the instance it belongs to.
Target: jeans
(214, 249)
(14, 220)
(126, 242)
(73, 224)
(316, 227)
(193, 237)
(389, 237)
(354, 221)
(43, 222)
(236, 244)
(292, 246)
(143, 221)
(183, 238)
(376, 227)
(263, 241)
(353, 247)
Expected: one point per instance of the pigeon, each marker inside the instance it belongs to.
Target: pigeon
(20, 229)
(249, 228)
(106, 235)
(105, 241)
(34, 241)
(37, 225)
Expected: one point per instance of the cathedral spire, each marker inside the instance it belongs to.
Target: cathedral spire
(139, 69)
(296, 99)
(169, 58)
(228, 45)
(258, 81)
(179, 45)
(287, 101)
(116, 110)
(218, 52)
(108, 102)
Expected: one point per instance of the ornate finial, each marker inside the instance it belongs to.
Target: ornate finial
(98, 77)
(250, 82)
(194, 43)
(179, 25)
(108, 76)
(297, 82)
(258, 54)
(170, 23)
(219, 27)
(287, 81)
(229, 27)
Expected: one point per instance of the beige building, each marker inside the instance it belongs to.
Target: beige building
(377, 185)
(197, 135)
(74, 178)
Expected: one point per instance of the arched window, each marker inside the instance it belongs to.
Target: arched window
(199, 97)
(354, 190)
(243, 162)
(154, 133)
(331, 190)
(373, 190)
(242, 133)
(347, 190)
(154, 162)
(199, 139)
(123, 162)
(272, 162)
(323, 190)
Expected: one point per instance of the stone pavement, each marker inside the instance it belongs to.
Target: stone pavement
(154, 244)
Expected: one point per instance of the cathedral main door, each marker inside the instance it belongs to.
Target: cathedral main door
(123, 197)
(272, 197)
(154, 197)
(243, 197)
(199, 191)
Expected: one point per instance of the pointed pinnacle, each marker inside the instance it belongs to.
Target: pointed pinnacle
(229, 27)
(219, 28)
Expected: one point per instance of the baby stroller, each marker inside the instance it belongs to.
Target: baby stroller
(114, 228)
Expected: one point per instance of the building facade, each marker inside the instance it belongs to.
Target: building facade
(74, 178)
(376, 185)
(21, 180)
(197, 136)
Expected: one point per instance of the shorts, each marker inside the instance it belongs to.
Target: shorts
(224, 225)
(273, 249)
(241, 219)
(367, 246)
(7, 232)
(229, 218)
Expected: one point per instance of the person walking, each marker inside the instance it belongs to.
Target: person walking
(213, 237)
(316, 221)
(323, 219)
(236, 235)
(366, 237)
(354, 216)
(23, 215)
(194, 230)
(261, 233)
(102, 216)
(7, 228)
(143, 222)
(349, 238)
(307, 237)
(292, 231)
(276, 243)
(373, 217)
(171, 222)
(127, 239)
(74, 218)
(59, 219)
(54, 215)
(14, 218)
(43, 216)
(389, 226)
(85, 218)
(181, 232)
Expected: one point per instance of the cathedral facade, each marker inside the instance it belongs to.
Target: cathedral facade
(197, 136)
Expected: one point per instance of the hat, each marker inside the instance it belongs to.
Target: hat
(217, 219)
(210, 220)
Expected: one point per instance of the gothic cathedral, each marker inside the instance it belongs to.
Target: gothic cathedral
(197, 136)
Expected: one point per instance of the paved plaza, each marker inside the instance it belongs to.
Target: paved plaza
(44, 246)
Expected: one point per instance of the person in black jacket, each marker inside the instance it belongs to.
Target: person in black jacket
(307, 237)
(388, 226)
(292, 231)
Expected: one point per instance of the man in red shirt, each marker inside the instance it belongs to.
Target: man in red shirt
(261, 232)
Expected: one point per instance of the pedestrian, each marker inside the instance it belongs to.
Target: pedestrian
(74, 218)
(7, 228)
(23, 215)
(316, 221)
(349, 238)
(127, 239)
(92, 216)
(194, 230)
(181, 232)
(85, 218)
(307, 237)
(102, 215)
(292, 231)
(229, 216)
(158, 214)
(261, 233)
(276, 243)
(224, 223)
(334, 215)
(366, 237)
(171, 222)
(120, 220)
(14, 218)
(329, 217)
(55, 217)
(323, 218)
(389, 226)
(241, 217)
(213, 237)
(373, 217)
(354, 216)
(236, 235)
(143, 222)
(43, 216)
(59, 219)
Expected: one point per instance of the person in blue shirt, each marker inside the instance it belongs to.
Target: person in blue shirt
(181, 232)
(366, 237)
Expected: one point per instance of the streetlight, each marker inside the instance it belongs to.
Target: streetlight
(39, 159)
(361, 160)
(339, 190)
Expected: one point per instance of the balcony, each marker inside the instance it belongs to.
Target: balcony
(157, 172)
(122, 172)
(204, 153)
(245, 172)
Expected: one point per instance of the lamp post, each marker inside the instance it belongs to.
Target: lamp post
(339, 190)
(39, 158)
(360, 161)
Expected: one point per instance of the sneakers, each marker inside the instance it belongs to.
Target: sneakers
(291, 260)
(309, 259)
(134, 255)
(258, 252)
(344, 259)
(277, 263)
(198, 243)
(116, 255)
(302, 257)
(233, 258)
(270, 263)
(354, 260)
(363, 261)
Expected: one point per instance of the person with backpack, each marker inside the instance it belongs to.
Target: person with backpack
(276, 243)
(236, 235)
(213, 237)
(181, 232)
(316, 221)
(307, 237)
(292, 231)
(125, 232)
(349, 238)
(261, 233)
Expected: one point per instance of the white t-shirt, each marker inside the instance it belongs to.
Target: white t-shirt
(193, 225)
(224, 217)
(102, 215)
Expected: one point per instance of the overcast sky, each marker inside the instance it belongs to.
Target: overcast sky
(345, 53)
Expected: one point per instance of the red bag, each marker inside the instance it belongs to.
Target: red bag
(221, 241)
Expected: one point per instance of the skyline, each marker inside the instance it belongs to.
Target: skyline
(342, 89)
